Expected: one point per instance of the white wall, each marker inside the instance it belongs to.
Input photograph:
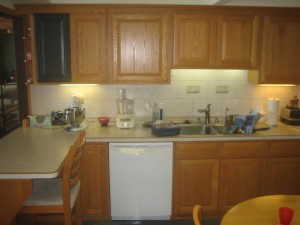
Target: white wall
(100, 99)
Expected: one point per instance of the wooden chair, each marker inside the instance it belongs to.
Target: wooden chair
(59, 195)
(197, 214)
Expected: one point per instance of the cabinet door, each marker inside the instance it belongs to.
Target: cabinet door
(52, 36)
(240, 179)
(195, 40)
(195, 177)
(237, 41)
(140, 48)
(95, 182)
(283, 176)
(241, 172)
(88, 41)
(283, 167)
(281, 50)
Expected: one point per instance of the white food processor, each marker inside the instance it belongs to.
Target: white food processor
(125, 111)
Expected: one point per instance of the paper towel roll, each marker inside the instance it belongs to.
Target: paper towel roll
(273, 107)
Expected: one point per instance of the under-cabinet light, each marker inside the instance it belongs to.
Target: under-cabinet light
(78, 85)
(277, 85)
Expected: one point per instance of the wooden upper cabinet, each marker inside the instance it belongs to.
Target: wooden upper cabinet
(140, 47)
(216, 40)
(238, 41)
(195, 40)
(88, 48)
(281, 50)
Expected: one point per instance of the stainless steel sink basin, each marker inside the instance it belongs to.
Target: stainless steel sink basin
(191, 129)
(219, 128)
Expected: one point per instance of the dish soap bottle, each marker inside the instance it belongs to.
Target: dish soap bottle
(155, 112)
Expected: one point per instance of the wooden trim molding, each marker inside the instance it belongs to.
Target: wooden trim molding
(23, 9)
(7, 11)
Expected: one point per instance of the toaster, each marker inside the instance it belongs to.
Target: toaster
(290, 116)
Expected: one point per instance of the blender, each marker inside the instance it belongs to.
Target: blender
(125, 111)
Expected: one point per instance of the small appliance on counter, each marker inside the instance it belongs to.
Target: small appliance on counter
(291, 113)
(125, 111)
(75, 115)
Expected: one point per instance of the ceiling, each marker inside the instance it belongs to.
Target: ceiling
(267, 3)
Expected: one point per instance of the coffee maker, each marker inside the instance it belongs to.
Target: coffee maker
(291, 113)
(75, 115)
(125, 111)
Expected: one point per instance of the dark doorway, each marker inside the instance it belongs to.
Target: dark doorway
(13, 91)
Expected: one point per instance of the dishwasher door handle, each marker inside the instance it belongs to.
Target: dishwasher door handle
(131, 151)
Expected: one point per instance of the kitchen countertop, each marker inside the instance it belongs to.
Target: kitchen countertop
(32, 152)
(110, 133)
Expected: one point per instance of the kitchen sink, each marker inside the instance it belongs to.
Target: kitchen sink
(219, 128)
(193, 129)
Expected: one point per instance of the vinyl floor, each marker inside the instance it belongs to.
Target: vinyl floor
(154, 222)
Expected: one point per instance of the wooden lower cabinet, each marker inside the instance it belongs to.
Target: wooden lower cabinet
(195, 177)
(95, 182)
(215, 174)
(13, 194)
(241, 172)
(283, 167)
(218, 175)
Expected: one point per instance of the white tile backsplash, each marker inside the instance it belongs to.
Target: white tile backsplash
(166, 91)
(244, 89)
(100, 100)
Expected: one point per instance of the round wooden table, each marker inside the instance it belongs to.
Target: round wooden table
(262, 210)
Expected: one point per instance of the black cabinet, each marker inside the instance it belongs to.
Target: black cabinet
(52, 39)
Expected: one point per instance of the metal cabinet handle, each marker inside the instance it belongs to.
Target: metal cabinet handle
(29, 81)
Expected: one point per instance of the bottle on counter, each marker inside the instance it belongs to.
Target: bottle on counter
(161, 110)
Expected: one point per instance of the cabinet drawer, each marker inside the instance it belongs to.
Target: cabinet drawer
(245, 149)
(197, 150)
(284, 148)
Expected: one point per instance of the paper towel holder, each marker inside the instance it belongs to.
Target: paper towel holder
(272, 113)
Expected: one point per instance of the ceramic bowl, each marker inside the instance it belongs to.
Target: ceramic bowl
(103, 120)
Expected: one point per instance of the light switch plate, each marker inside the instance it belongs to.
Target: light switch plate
(222, 89)
(193, 89)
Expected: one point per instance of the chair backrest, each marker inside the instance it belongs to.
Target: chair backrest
(197, 214)
(71, 172)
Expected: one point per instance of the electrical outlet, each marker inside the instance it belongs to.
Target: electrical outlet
(193, 89)
(222, 89)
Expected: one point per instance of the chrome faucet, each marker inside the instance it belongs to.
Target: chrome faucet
(207, 113)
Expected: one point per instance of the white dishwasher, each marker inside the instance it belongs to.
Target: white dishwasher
(140, 180)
